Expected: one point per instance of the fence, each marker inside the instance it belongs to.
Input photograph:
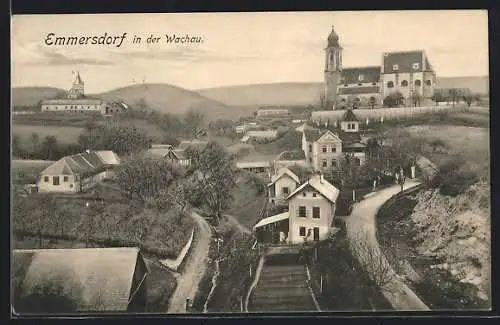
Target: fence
(391, 113)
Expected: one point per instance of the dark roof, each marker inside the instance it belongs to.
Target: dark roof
(333, 39)
(359, 90)
(93, 279)
(404, 60)
(351, 75)
(313, 134)
(349, 116)
(292, 155)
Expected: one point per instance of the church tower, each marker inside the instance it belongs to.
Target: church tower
(77, 91)
(333, 69)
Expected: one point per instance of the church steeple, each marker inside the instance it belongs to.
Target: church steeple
(333, 68)
(333, 39)
(77, 91)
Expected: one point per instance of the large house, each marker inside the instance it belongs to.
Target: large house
(407, 72)
(78, 172)
(310, 215)
(325, 147)
(282, 184)
(83, 280)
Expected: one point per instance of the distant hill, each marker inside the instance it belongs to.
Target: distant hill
(293, 93)
(308, 93)
(475, 84)
(25, 96)
(162, 97)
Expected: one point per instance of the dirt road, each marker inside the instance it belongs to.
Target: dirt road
(362, 221)
(196, 264)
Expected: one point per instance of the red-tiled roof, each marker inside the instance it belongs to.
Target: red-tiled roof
(368, 74)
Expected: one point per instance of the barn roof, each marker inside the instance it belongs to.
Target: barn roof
(96, 279)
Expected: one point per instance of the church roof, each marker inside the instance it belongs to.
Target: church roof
(368, 75)
(405, 61)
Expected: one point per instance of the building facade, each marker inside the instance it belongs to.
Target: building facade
(282, 184)
(407, 72)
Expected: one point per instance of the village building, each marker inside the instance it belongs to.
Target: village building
(83, 280)
(282, 184)
(77, 102)
(407, 72)
(78, 172)
(262, 134)
(268, 112)
(262, 166)
(310, 215)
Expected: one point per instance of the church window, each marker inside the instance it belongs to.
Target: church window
(395, 67)
(361, 77)
(418, 83)
(428, 83)
(416, 66)
(390, 84)
(404, 83)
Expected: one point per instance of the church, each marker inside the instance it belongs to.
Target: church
(77, 102)
(408, 72)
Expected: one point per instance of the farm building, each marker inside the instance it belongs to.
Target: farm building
(83, 280)
(254, 166)
(311, 210)
(78, 172)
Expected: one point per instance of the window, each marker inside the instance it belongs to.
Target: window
(65, 178)
(343, 100)
(404, 83)
(316, 212)
(360, 84)
(353, 126)
(46, 179)
(304, 194)
(346, 85)
(302, 231)
(302, 211)
(286, 190)
(334, 163)
(390, 84)
(334, 149)
(418, 83)
(310, 148)
(324, 163)
(416, 66)
(374, 83)
(311, 160)
(314, 194)
(55, 180)
(395, 67)
(324, 149)
(428, 82)
(361, 77)
(357, 162)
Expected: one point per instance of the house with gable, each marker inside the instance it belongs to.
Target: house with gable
(310, 215)
(78, 172)
(282, 184)
(325, 146)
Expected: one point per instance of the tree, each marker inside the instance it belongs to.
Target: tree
(194, 120)
(212, 171)
(35, 140)
(17, 150)
(416, 98)
(49, 148)
(438, 96)
(394, 99)
(372, 102)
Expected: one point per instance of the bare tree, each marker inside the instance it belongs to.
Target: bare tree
(372, 261)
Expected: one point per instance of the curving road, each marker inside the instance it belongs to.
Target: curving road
(195, 267)
(362, 221)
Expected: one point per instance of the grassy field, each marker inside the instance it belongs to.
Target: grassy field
(64, 134)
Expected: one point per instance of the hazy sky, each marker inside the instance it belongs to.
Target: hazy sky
(239, 48)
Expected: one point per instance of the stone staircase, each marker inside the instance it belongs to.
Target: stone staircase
(282, 287)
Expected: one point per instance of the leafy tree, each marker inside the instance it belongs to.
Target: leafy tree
(194, 120)
(213, 173)
(50, 148)
(17, 149)
(394, 99)
(35, 140)
(438, 97)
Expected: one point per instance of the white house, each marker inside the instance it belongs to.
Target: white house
(263, 134)
(282, 184)
(78, 172)
(310, 215)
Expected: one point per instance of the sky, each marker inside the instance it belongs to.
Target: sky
(238, 48)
